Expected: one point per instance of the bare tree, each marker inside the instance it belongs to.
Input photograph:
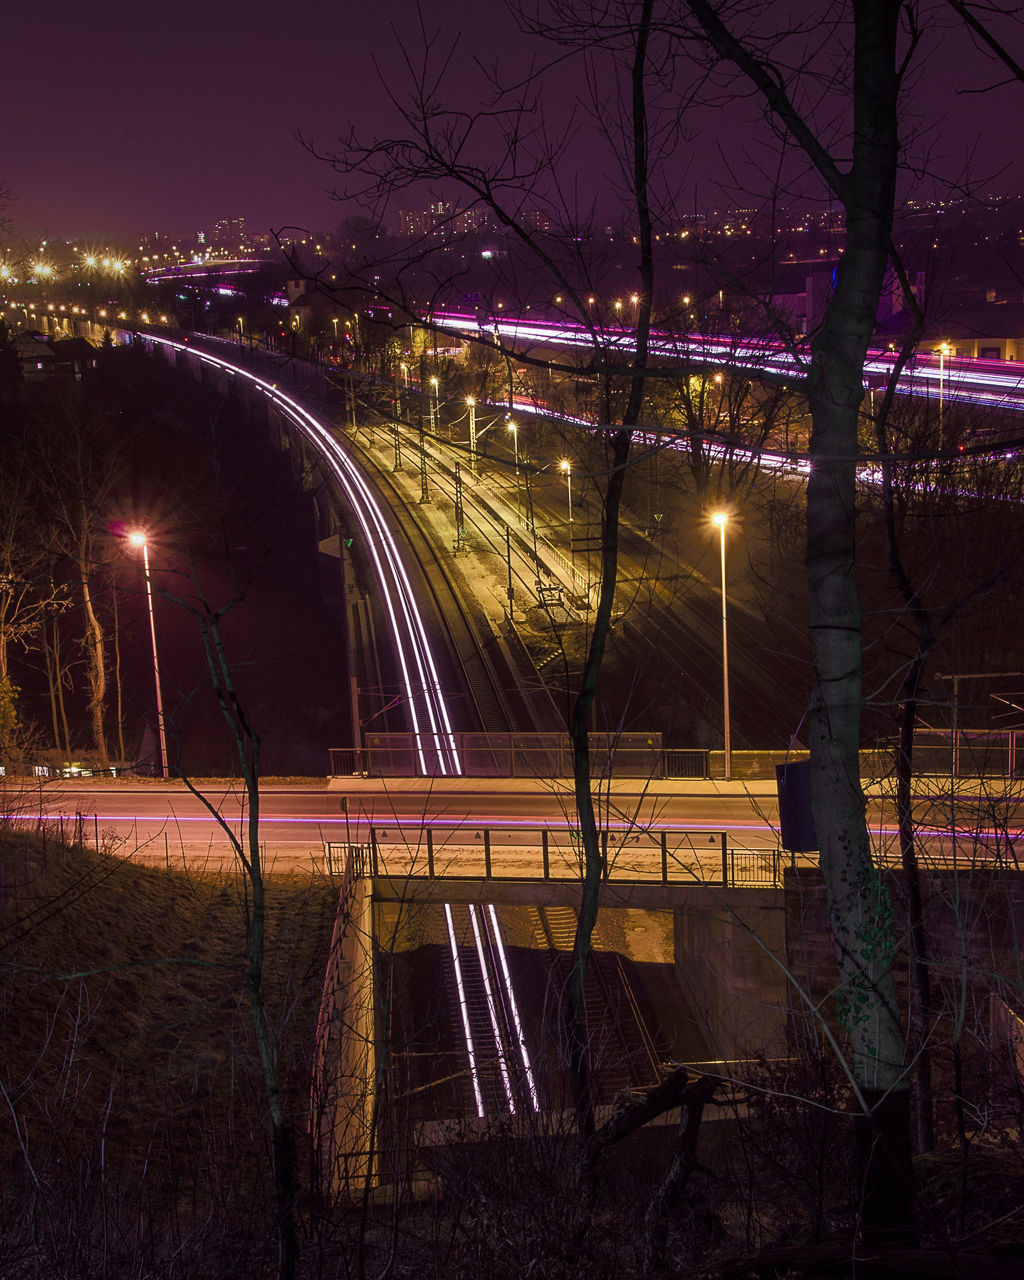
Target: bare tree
(850, 144)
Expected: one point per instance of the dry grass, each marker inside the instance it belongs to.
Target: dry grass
(127, 1051)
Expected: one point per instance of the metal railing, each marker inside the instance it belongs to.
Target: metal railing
(544, 855)
(677, 763)
(507, 755)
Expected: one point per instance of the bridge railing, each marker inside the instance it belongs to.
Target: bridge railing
(542, 854)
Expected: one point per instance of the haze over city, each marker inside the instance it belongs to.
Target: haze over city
(140, 118)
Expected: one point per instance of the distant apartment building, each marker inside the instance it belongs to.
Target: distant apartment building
(440, 219)
(447, 222)
(227, 236)
(536, 220)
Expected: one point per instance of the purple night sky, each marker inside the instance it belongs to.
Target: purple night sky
(124, 118)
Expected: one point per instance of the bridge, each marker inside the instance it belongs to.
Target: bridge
(207, 269)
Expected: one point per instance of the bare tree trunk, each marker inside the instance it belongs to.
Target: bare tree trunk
(250, 855)
(859, 903)
(579, 1041)
(95, 648)
(55, 682)
(118, 691)
(920, 974)
(666, 1199)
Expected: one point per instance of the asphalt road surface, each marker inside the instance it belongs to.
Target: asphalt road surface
(164, 822)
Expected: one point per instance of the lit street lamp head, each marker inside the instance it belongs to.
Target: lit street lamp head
(721, 518)
(137, 539)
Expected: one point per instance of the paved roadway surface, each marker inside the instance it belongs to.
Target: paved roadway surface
(164, 822)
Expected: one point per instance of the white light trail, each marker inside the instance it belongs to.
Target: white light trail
(492, 1010)
(991, 383)
(464, 1009)
(421, 684)
(514, 1008)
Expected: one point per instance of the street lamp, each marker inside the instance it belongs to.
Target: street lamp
(139, 540)
(513, 426)
(471, 403)
(721, 518)
(433, 406)
(566, 466)
(943, 352)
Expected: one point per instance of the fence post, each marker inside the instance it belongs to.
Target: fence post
(725, 861)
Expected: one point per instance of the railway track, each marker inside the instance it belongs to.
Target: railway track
(489, 667)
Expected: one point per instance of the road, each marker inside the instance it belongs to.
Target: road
(165, 823)
(995, 384)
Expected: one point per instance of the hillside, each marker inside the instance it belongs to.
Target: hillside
(132, 1096)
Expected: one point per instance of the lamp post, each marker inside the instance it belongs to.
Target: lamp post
(721, 519)
(566, 466)
(139, 540)
(433, 406)
(943, 352)
(472, 432)
(513, 427)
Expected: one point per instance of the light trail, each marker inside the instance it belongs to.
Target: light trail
(474, 1073)
(421, 685)
(492, 1010)
(986, 383)
(513, 1007)
(499, 821)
